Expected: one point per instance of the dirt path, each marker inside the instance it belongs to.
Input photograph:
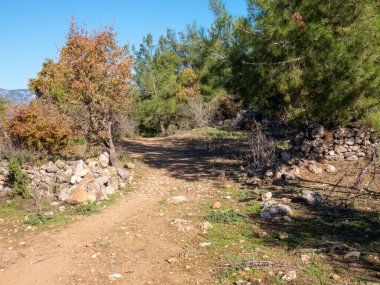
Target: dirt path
(133, 237)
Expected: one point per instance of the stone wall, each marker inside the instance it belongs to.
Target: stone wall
(343, 143)
(73, 182)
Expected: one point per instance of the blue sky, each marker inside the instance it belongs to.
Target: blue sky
(32, 30)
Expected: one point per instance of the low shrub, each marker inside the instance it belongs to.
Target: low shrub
(18, 179)
(23, 155)
(39, 126)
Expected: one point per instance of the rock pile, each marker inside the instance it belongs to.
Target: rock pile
(75, 182)
(344, 143)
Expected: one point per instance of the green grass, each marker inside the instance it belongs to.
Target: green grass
(228, 216)
(24, 211)
(12, 211)
(222, 133)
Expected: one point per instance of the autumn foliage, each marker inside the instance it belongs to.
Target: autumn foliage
(39, 126)
(90, 82)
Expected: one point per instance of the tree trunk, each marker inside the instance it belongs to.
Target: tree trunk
(111, 147)
(163, 130)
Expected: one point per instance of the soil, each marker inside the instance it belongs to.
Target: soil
(133, 237)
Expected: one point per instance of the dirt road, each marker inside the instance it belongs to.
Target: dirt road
(131, 241)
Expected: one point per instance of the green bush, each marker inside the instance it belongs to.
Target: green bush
(18, 179)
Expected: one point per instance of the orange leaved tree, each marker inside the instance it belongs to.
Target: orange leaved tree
(90, 82)
(39, 126)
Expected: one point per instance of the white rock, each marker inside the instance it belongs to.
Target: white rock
(74, 179)
(352, 158)
(115, 276)
(205, 225)
(176, 199)
(181, 225)
(331, 169)
(104, 159)
(352, 256)
(205, 244)
(314, 169)
(122, 173)
(266, 196)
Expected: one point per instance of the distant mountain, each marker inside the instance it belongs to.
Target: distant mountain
(17, 96)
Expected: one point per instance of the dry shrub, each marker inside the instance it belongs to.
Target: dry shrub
(39, 126)
(262, 148)
(199, 112)
(227, 108)
(125, 126)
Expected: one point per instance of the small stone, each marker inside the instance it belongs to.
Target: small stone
(350, 141)
(115, 276)
(172, 260)
(176, 199)
(60, 164)
(74, 179)
(283, 236)
(269, 173)
(287, 219)
(335, 277)
(130, 165)
(51, 167)
(352, 158)
(266, 196)
(216, 205)
(352, 256)
(291, 275)
(104, 159)
(205, 225)
(181, 225)
(340, 149)
(315, 131)
(349, 154)
(205, 244)
(313, 168)
(331, 169)
(122, 173)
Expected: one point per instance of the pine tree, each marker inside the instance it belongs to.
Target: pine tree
(315, 58)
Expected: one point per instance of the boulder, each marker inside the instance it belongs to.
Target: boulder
(352, 158)
(104, 159)
(315, 131)
(50, 167)
(64, 193)
(350, 141)
(340, 149)
(60, 164)
(313, 168)
(311, 197)
(272, 209)
(122, 173)
(87, 179)
(80, 196)
(114, 182)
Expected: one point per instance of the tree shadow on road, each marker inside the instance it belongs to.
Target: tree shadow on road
(190, 159)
